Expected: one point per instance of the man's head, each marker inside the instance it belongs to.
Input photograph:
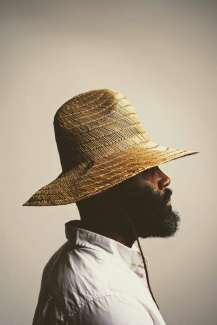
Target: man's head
(144, 198)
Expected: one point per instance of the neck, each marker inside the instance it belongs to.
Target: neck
(115, 226)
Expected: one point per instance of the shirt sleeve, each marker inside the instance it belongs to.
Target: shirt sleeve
(113, 310)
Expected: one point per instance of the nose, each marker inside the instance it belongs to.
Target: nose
(164, 181)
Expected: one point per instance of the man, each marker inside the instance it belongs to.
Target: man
(110, 169)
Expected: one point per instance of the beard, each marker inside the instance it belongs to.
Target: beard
(151, 214)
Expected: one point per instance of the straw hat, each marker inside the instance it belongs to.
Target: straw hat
(101, 142)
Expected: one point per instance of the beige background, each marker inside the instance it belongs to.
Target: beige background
(162, 56)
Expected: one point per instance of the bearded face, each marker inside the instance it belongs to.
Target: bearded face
(147, 200)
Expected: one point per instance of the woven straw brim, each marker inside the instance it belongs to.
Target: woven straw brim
(108, 172)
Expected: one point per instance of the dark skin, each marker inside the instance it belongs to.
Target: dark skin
(139, 206)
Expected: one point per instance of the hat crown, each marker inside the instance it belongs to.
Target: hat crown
(94, 124)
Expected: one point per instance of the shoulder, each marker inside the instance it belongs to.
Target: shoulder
(75, 275)
(85, 284)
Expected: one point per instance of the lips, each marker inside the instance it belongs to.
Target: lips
(167, 200)
(167, 196)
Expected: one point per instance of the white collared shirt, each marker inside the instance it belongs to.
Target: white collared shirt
(95, 280)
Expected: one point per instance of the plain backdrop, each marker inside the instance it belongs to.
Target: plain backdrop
(161, 55)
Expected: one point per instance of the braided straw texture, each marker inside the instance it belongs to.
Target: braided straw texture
(101, 142)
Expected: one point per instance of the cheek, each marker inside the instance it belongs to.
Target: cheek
(141, 181)
(152, 182)
(147, 183)
(139, 185)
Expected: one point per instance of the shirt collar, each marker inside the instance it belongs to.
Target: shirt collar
(84, 237)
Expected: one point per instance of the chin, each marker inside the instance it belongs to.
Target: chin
(164, 226)
(170, 225)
